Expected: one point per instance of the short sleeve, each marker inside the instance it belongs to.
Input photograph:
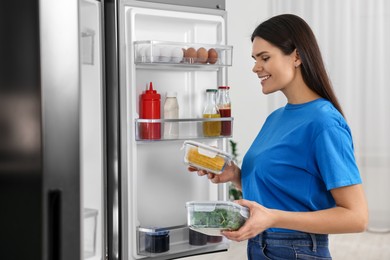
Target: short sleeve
(335, 159)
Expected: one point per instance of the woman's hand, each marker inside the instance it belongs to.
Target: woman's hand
(230, 173)
(260, 219)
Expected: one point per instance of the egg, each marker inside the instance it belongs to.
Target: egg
(165, 53)
(141, 53)
(212, 56)
(177, 54)
(152, 53)
(202, 55)
(190, 55)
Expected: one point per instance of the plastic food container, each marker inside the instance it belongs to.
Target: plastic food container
(205, 157)
(211, 217)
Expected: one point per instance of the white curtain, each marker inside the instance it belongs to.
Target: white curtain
(354, 36)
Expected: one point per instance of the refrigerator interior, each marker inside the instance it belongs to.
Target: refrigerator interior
(91, 145)
(155, 181)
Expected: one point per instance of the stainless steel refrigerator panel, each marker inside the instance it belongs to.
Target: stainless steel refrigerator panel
(21, 175)
(40, 113)
(60, 87)
(111, 67)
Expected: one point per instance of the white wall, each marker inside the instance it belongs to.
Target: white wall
(249, 105)
(354, 38)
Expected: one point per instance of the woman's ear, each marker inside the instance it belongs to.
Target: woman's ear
(297, 61)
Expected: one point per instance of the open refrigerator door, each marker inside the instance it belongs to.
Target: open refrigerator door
(155, 45)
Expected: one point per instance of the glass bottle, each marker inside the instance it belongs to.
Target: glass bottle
(171, 111)
(212, 128)
(224, 107)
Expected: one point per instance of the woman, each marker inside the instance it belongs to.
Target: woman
(299, 178)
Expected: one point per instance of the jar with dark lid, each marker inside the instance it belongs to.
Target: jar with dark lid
(157, 242)
(197, 238)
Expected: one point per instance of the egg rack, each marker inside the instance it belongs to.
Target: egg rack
(186, 54)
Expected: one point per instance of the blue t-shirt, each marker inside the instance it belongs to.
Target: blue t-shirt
(301, 153)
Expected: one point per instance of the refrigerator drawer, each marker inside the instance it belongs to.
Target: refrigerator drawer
(183, 54)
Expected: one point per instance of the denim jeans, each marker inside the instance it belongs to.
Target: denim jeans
(284, 246)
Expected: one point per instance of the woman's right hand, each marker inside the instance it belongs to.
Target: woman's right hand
(230, 173)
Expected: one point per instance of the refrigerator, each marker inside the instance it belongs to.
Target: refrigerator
(77, 178)
(149, 188)
(52, 130)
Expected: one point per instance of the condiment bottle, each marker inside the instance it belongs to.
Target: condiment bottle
(150, 109)
(171, 111)
(211, 128)
(224, 107)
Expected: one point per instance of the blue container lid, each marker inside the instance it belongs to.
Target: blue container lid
(158, 233)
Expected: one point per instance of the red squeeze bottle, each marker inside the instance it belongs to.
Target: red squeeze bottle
(150, 109)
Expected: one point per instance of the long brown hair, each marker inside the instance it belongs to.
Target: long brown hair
(289, 32)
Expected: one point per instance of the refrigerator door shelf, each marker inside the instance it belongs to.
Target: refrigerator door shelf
(177, 245)
(177, 66)
(188, 128)
(183, 54)
(90, 226)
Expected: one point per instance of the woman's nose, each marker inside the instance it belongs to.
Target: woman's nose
(257, 67)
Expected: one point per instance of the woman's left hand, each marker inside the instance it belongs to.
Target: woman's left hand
(260, 218)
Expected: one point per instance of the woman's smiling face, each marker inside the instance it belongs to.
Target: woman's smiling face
(275, 69)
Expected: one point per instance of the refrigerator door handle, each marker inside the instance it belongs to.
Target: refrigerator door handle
(54, 225)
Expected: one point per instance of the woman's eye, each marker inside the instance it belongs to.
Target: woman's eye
(265, 58)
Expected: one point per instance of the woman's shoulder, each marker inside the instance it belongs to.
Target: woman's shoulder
(326, 115)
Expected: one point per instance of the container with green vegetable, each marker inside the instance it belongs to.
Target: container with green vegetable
(211, 217)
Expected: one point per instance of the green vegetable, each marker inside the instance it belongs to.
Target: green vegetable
(219, 218)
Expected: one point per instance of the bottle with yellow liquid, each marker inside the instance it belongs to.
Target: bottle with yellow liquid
(212, 128)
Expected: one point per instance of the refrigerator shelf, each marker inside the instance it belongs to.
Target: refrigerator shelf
(177, 66)
(177, 54)
(183, 129)
(89, 235)
(177, 245)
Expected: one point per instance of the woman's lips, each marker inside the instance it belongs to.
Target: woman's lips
(264, 78)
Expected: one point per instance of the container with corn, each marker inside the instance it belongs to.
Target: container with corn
(205, 157)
